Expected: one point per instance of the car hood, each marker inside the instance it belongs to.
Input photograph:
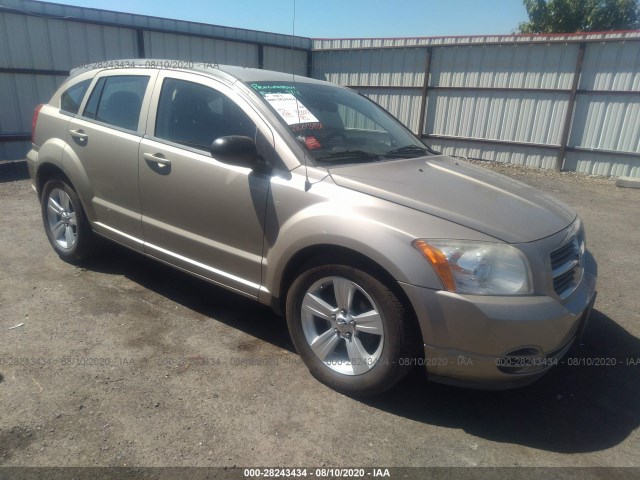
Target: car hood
(462, 193)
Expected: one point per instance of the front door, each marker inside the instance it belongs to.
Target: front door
(198, 213)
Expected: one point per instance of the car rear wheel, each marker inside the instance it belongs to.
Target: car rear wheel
(65, 222)
(350, 329)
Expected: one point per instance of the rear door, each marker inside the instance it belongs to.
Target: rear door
(105, 139)
(198, 213)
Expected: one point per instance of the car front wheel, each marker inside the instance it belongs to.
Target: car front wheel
(350, 329)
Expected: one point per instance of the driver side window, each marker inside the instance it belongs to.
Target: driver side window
(195, 115)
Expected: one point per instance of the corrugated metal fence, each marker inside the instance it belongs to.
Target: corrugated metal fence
(40, 42)
(568, 102)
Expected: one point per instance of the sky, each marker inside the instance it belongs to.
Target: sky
(337, 18)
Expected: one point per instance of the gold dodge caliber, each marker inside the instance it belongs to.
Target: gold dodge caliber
(310, 198)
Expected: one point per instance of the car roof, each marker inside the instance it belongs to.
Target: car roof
(244, 74)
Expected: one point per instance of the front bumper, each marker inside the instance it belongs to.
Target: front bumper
(494, 342)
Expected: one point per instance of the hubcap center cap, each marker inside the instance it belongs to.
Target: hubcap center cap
(344, 325)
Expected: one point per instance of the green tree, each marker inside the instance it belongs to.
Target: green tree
(567, 16)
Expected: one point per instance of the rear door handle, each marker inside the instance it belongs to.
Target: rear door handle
(157, 158)
(79, 136)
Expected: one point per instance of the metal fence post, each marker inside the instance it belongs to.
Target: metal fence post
(140, 42)
(568, 119)
(425, 91)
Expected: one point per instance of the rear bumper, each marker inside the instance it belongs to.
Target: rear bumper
(32, 162)
(492, 342)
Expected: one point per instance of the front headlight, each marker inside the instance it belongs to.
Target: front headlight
(477, 268)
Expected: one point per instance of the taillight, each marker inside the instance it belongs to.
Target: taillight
(36, 111)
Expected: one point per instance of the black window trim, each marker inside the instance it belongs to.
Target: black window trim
(102, 84)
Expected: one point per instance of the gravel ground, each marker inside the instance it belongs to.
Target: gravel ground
(127, 362)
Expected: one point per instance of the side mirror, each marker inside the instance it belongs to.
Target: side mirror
(236, 150)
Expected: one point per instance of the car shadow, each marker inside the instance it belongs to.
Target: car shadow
(13, 171)
(195, 294)
(579, 406)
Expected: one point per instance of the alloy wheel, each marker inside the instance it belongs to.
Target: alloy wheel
(342, 325)
(61, 217)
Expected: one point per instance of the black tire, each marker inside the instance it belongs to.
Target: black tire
(84, 244)
(398, 341)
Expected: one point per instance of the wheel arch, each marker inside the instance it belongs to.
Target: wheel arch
(335, 254)
(48, 171)
(69, 168)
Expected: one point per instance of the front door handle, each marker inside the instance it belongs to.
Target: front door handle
(79, 137)
(157, 158)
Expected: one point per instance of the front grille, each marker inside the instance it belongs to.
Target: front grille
(565, 267)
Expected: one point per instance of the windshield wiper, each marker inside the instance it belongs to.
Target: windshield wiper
(348, 155)
(415, 149)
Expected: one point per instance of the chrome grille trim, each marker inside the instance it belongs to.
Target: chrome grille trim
(566, 267)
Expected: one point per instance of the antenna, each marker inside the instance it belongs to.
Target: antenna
(293, 26)
(307, 183)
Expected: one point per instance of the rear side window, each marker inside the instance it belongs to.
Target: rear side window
(195, 115)
(72, 97)
(117, 100)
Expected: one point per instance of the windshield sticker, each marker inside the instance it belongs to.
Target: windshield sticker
(312, 143)
(307, 126)
(290, 109)
(264, 89)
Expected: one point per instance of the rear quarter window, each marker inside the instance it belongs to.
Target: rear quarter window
(71, 98)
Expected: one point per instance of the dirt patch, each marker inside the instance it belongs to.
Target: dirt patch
(128, 362)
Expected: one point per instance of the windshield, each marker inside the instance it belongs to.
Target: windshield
(337, 125)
